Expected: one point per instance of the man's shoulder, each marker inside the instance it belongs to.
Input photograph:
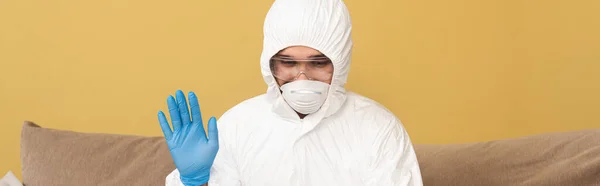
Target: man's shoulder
(374, 116)
(247, 108)
(368, 106)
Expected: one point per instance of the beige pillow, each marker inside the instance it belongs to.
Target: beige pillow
(567, 158)
(56, 157)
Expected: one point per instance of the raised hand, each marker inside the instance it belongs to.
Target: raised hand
(192, 152)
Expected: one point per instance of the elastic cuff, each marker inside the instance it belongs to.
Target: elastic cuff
(193, 181)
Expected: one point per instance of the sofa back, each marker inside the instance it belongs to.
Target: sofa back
(561, 159)
(58, 157)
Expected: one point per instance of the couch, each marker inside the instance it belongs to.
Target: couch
(60, 157)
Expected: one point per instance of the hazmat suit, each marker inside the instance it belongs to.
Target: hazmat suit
(350, 140)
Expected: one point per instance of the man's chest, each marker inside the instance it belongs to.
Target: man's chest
(287, 157)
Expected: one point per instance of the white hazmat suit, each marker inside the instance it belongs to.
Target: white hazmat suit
(350, 141)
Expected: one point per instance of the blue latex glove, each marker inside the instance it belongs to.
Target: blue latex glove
(193, 153)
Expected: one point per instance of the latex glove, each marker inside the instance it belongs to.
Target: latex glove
(193, 153)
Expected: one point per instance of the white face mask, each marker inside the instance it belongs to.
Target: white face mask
(305, 96)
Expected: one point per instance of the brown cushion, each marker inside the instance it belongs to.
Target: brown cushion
(566, 158)
(57, 157)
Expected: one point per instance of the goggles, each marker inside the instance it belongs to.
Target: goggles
(290, 69)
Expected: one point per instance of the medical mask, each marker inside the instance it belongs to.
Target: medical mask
(305, 96)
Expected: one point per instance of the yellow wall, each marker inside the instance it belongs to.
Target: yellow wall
(453, 71)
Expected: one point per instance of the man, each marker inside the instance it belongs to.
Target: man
(307, 130)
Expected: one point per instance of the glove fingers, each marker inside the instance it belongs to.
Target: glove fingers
(183, 108)
(164, 125)
(197, 117)
(195, 109)
(174, 112)
(213, 132)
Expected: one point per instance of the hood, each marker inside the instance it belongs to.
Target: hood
(324, 25)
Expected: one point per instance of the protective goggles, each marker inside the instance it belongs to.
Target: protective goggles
(289, 69)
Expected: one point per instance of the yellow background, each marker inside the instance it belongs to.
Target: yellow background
(453, 71)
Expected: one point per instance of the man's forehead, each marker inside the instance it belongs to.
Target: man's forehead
(300, 52)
